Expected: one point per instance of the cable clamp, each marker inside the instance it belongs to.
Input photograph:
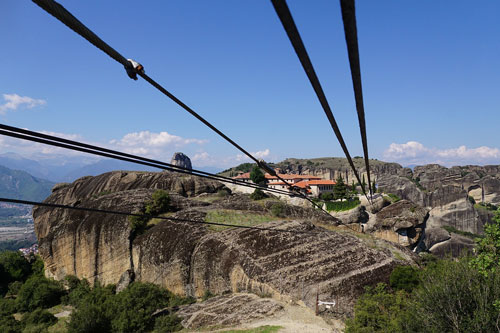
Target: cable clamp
(132, 68)
(267, 168)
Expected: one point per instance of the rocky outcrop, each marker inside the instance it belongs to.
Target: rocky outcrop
(181, 160)
(228, 310)
(189, 258)
(401, 222)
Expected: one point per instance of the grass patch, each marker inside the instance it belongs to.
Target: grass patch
(60, 326)
(392, 197)
(463, 233)
(155, 220)
(486, 206)
(235, 217)
(208, 198)
(341, 206)
(260, 329)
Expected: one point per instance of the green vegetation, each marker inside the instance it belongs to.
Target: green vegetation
(159, 204)
(278, 210)
(257, 176)
(486, 206)
(471, 200)
(18, 184)
(404, 278)
(258, 194)
(460, 232)
(235, 217)
(35, 299)
(487, 260)
(231, 172)
(445, 296)
(340, 189)
(340, 206)
(392, 197)
(223, 192)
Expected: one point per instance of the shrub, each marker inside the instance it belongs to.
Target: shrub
(39, 292)
(378, 310)
(159, 204)
(404, 278)
(278, 210)
(471, 200)
(9, 325)
(37, 266)
(7, 306)
(257, 176)
(223, 192)
(15, 265)
(258, 195)
(90, 318)
(207, 295)
(135, 305)
(39, 316)
(168, 323)
(326, 196)
(14, 287)
(339, 206)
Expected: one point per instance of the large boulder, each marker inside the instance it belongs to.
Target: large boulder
(181, 160)
(401, 222)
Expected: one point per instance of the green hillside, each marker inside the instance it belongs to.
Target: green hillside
(17, 184)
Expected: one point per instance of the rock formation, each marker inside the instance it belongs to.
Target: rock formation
(181, 160)
(189, 258)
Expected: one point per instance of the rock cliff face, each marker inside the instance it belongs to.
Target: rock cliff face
(181, 160)
(189, 258)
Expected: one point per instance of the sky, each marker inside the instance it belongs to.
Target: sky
(430, 72)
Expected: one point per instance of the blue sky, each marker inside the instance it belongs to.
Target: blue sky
(430, 70)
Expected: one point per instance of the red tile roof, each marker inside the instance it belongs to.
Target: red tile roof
(321, 182)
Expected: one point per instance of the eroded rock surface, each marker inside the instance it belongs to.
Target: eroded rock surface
(190, 258)
(229, 310)
(401, 222)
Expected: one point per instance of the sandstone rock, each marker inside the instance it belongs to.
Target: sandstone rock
(228, 310)
(355, 215)
(181, 160)
(400, 222)
(189, 259)
(457, 245)
(459, 214)
(434, 236)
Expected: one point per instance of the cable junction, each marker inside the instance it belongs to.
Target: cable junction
(288, 23)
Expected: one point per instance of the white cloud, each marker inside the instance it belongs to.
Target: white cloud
(156, 145)
(261, 154)
(414, 152)
(14, 101)
(148, 144)
(201, 157)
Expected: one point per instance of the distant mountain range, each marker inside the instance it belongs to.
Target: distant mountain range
(18, 184)
(57, 168)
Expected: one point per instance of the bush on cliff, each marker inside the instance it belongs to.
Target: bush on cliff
(452, 296)
(258, 194)
(102, 310)
(39, 292)
(159, 204)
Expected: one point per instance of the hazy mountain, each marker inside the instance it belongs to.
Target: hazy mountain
(103, 166)
(53, 168)
(17, 184)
